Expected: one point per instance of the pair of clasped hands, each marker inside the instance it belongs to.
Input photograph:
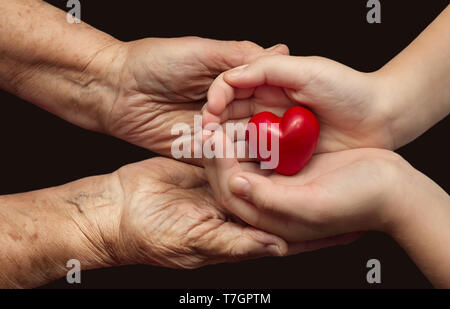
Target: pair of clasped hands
(354, 182)
(204, 211)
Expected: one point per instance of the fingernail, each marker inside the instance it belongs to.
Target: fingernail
(237, 71)
(274, 250)
(239, 186)
(274, 47)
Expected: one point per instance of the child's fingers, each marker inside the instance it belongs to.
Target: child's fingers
(208, 118)
(284, 200)
(246, 108)
(239, 109)
(279, 71)
(279, 49)
(238, 114)
(255, 168)
(236, 129)
(243, 109)
(220, 94)
(272, 96)
(242, 151)
(265, 98)
(219, 171)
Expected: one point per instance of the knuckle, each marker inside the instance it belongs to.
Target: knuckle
(249, 45)
(283, 49)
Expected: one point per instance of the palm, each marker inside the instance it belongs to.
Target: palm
(170, 218)
(332, 195)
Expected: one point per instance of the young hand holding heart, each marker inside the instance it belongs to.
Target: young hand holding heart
(273, 87)
(348, 104)
(335, 194)
(301, 207)
(348, 186)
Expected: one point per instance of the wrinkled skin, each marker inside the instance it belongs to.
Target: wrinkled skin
(165, 214)
(162, 82)
(169, 217)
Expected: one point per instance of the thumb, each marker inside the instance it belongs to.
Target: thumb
(284, 200)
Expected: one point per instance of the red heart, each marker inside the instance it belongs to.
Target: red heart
(298, 133)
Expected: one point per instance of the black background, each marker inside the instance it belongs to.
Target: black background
(39, 150)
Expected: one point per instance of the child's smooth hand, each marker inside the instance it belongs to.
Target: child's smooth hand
(336, 193)
(348, 103)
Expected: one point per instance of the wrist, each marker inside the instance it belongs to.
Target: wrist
(407, 104)
(388, 107)
(43, 230)
(100, 84)
(421, 226)
(92, 208)
(57, 65)
(406, 194)
(389, 210)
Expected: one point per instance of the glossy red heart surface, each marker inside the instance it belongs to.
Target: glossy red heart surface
(298, 134)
